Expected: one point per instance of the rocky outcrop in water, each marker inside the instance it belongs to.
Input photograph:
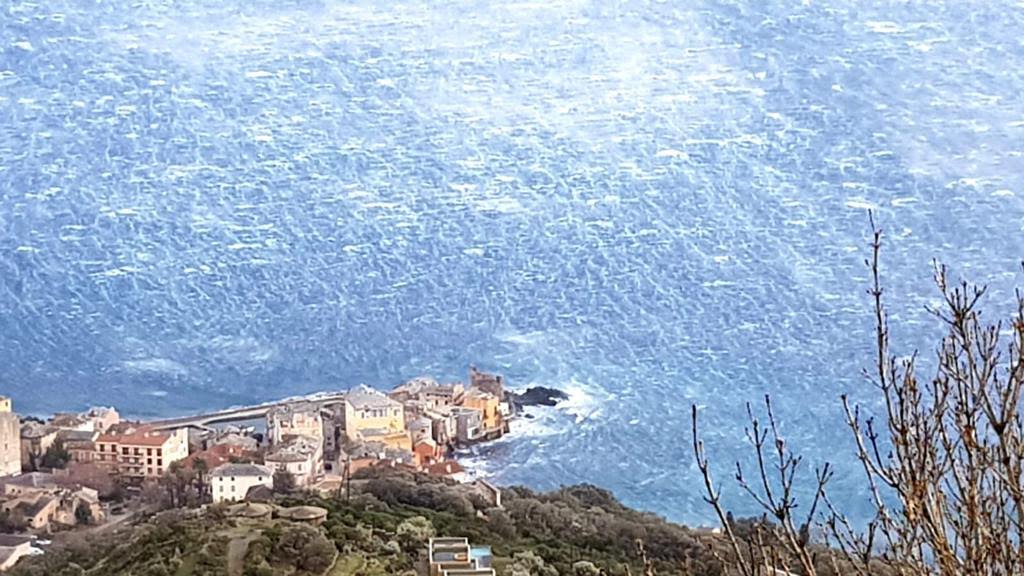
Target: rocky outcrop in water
(536, 396)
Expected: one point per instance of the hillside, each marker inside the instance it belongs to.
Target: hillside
(383, 528)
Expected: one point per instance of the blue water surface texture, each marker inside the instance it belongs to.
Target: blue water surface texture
(649, 204)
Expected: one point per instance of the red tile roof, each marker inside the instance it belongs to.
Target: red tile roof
(217, 455)
(138, 437)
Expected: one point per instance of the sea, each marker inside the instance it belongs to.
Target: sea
(650, 204)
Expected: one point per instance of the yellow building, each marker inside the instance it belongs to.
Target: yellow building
(488, 405)
(370, 416)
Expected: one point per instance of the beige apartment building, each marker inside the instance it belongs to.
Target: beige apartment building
(141, 454)
(299, 419)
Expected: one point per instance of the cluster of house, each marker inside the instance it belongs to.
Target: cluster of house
(417, 425)
(39, 499)
(456, 557)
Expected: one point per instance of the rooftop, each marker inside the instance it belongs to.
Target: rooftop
(100, 412)
(303, 513)
(139, 437)
(78, 435)
(216, 455)
(415, 385)
(35, 430)
(420, 424)
(250, 510)
(241, 470)
(64, 420)
(293, 408)
(479, 393)
(363, 397)
(10, 540)
(31, 507)
(32, 480)
(446, 468)
(296, 449)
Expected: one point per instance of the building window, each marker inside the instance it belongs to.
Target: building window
(149, 451)
(149, 461)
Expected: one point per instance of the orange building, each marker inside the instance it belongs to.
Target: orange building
(488, 405)
(426, 452)
(140, 454)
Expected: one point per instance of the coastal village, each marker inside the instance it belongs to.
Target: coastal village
(84, 471)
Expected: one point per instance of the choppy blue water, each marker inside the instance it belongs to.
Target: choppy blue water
(651, 204)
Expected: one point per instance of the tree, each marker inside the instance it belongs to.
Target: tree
(284, 481)
(529, 563)
(414, 533)
(201, 468)
(92, 476)
(83, 514)
(177, 484)
(944, 466)
(56, 456)
(305, 548)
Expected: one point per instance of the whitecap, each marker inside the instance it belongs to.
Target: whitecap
(155, 365)
(860, 203)
(671, 153)
(883, 27)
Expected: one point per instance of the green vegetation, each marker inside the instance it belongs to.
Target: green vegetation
(284, 481)
(384, 528)
(56, 456)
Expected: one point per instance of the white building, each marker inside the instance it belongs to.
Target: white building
(302, 456)
(231, 482)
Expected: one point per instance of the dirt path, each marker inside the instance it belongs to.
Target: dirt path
(236, 554)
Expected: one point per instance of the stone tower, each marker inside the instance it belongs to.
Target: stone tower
(10, 439)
